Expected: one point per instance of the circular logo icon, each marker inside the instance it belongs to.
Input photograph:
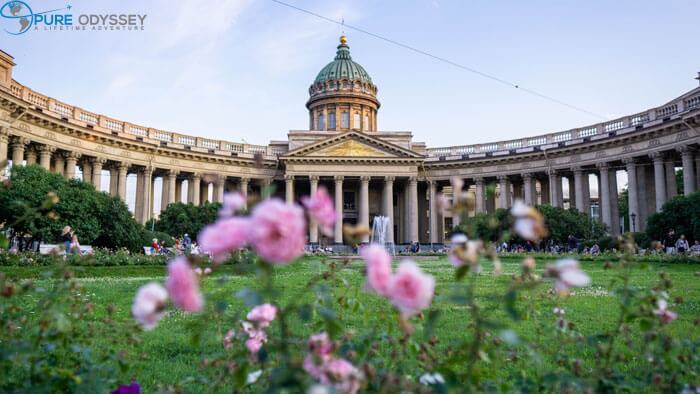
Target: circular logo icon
(17, 17)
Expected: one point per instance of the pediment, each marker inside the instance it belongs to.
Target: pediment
(352, 145)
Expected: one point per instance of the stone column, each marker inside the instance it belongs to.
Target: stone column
(45, 153)
(614, 203)
(503, 192)
(388, 206)
(413, 209)
(31, 156)
(604, 195)
(289, 189)
(87, 170)
(659, 180)
(642, 192)
(219, 189)
(71, 161)
(193, 184)
(313, 226)
(579, 178)
(203, 192)
(697, 172)
(364, 205)
(688, 170)
(113, 181)
(4, 140)
(456, 199)
(555, 189)
(121, 185)
(147, 195)
(633, 198)
(97, 164)
(243, 188)
(139, 203)
(164, 192)
(18, 145)
(671, 187)
(59, 164)
(480, 206)
(178, 190)
(433, 211)
(172, 185)
(338, 236)
(265, 188)
(529, 189)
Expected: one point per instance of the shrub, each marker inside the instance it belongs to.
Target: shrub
(681, 213)
(179, 219)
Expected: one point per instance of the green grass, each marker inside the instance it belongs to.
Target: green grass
(167, 354)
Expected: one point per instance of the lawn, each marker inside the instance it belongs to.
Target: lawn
(167, 354)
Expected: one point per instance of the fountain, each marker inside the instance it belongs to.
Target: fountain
(380, 225)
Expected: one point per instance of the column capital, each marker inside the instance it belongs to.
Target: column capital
(46, 149)
(526, 175)
(502, 178)
(19, 141)
(123, 166)
(602, 166)
(577, 170)
(629, 161)
(195, 175)
(147, 170)
(389, 178)
(479, 180)
(98, 160)
(412, 179)
(685, 150)
(72, 155)
(365, 178)
(313, 178)
(242, 180)
(289, 178)
(657, 156)
(339, 178)
(4, 131)
(173, 172)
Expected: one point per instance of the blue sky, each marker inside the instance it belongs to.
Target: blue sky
(240, 69)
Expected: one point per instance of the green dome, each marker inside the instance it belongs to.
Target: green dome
(342, 67)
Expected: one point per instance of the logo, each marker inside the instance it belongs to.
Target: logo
(17, 17)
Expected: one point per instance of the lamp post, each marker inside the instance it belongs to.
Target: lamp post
(633, 216)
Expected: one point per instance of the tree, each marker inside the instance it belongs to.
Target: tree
(560, 222)
(97, 218)
(682, 213)
(179, 219)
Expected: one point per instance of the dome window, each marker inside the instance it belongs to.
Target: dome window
(321, 125)
(344, 120)
(356, 121)
(331, 120)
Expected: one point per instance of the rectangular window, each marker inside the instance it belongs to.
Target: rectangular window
(331, 120)
(321, 125)
(344, 120)
(356, 121)
(366, 122)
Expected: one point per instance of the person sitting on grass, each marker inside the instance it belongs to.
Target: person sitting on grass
(75, 245)
(695, 249)
(595, 249)
(155, 247)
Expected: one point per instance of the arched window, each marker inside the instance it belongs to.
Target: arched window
(331, 120)
(321, 125)
(356, 121)
(366, 122)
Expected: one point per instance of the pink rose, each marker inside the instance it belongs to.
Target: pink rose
(262, 315)
(254, 345)
(378, 268)
(567, 274)
(410, 289)
(149, 305)
(344, 377)
(228, 339)
(223, 237)
(312, 367)
(320, 344)
(183, 286)
(665, 315)
(278, 231)
(321, 209)
(233, 202)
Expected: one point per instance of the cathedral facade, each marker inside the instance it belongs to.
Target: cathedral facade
(369, 172)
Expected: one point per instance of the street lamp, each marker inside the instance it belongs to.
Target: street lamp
(633, 216)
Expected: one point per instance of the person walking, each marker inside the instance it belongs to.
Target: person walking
(67, 238)
(682, 245)
(187, 243)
